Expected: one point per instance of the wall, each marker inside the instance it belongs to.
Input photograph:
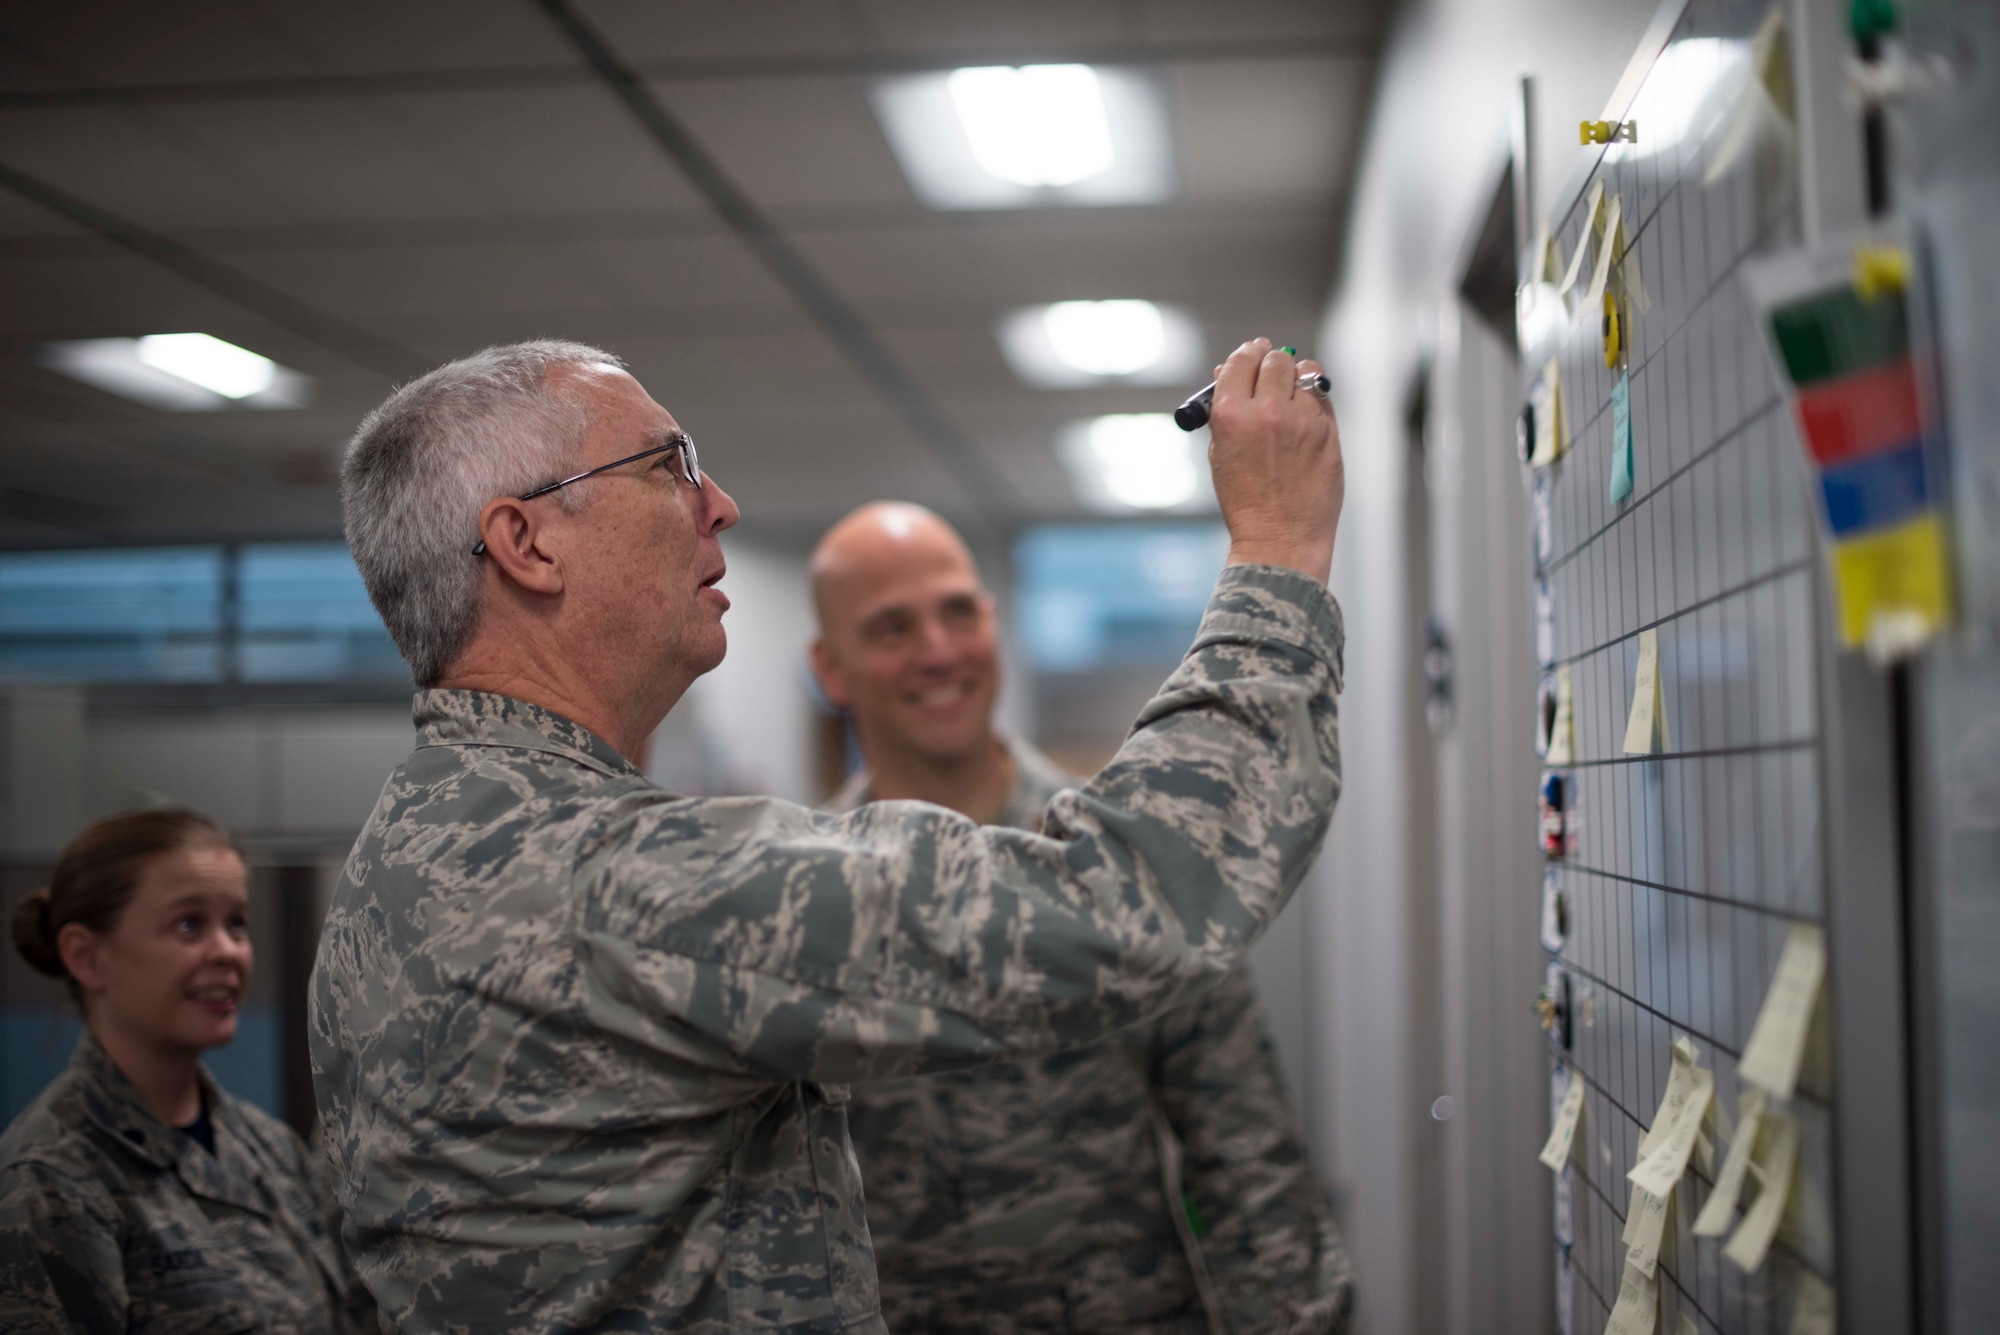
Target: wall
(1439, 120)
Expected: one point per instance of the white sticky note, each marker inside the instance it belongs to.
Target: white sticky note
(1546, 399)
(1562, 732)
(1663, 1165)
(1646, 697)
(1637, 1311)
(1547, 262)
(1591, 203)
(1748, 1246)
(1646, 1220)
(1562, 1136)
(1600, 274)
(1720, 1208)
(1759, 97)
(1812, 1307)
(1778, 1040)
(1680, 1072)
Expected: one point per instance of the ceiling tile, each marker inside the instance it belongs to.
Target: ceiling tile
(381, 36)
(1246, 20)
(1267, 130)
(920, 25)
(810, 140)
(95, 42)
(645, 30)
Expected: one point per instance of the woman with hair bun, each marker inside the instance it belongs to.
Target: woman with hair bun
(134, 1193)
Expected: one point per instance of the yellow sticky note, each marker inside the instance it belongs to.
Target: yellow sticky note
(1637, 1311)
(1720, 1208)
(1893, 587)
(1778, 1039)
(1646, 697)
(1686, 1326)
(1750, 1242)
(1562, 739)
(1646, 1223)
(1562, 1136)
(1662, 1165)
(1600, 272)
(1812, 1308)
(1591, 203)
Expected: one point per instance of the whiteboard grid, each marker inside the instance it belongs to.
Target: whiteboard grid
(1685, 867)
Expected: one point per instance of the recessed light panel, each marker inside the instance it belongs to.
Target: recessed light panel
(1032, 136)
(1071, 344)
(1125, 463)
(179, 373)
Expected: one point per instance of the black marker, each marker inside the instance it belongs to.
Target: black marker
(1193, 415)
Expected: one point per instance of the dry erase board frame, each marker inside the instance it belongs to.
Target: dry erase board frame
(1688, 866)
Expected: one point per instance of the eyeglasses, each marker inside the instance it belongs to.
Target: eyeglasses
(690, 470)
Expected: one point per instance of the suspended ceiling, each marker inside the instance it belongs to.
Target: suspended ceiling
(361, 191)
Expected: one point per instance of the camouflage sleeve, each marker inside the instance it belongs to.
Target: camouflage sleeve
(903, 938)
(356, 1313)
(62, 1267)
(1274, 1256)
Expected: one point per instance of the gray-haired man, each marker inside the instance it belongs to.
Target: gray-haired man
(582, 1047)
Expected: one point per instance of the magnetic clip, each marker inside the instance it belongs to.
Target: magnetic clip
(1553, 1008)
(1614, 330)
(1607, 132)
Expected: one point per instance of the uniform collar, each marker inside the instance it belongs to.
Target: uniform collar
(113, 1103)
(1036, 779)
(480, 718)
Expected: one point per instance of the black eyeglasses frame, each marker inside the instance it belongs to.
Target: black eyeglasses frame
(690, 471)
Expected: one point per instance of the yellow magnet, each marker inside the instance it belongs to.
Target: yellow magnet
(1879, 270)
(1614, 330)
(1607, 132)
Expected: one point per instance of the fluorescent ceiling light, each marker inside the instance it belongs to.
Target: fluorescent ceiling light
(179, 373)
(1036, 125)
(1106, 337)
(1074, 343)
(1137, 461)
(1037, 136)
(232, 372)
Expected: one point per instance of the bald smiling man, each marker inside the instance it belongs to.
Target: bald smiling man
(1043, 1194)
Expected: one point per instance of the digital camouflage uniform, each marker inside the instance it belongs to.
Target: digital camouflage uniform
(583, 1048)
(1031, 1195)
(111, 1220)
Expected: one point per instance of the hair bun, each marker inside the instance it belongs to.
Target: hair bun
(35, 934)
